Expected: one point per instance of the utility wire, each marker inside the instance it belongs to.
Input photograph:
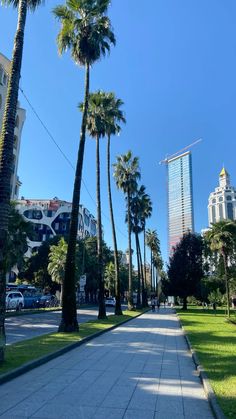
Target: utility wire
(63, 154)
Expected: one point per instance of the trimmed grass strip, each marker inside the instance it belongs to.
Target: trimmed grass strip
(214, 340)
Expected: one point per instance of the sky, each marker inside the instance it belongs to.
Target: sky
(174, 67)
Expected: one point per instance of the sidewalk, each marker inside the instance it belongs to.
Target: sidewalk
(141, 370)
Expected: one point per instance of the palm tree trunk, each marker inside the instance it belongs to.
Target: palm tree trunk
(118, 310)
(151, 272)
(184, 303)
(130, 292)
(101, 302)
(144, 303)
(144, 254)
(6, 157)
(139, 276)
(69, 321)
(226, 282)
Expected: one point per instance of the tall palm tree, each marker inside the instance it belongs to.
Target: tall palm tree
(147, 212)
(86, 31)
(153, 243)
(96, 129)
(6, 145)
(222, 239)
(135, 218)
(113, 115)
(127, 173)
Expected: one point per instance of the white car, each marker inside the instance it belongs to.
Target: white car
(14, 300)
(111, 301)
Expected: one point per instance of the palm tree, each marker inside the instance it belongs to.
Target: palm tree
(57, 261)
(153, 243)
(147, 212)
(136, 207)
(86, 32)
(222, 239)
(96, 129)
(6, 145)
(114, 116)
(126, 173)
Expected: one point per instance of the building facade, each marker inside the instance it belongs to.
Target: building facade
(180, 198)
(52, 217)
(222, 202)
(20, 119)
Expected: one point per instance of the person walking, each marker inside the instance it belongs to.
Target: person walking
(153, 304)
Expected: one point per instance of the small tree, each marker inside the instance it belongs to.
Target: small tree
(57, 262)
(185, 268)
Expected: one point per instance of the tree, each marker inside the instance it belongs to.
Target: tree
(86, 32)
(36, 271)
(185, 268)
(146, 213)
(57, 261)
(16, 244)
(7, 145)
(126, 173)
(222, 239)
(113, 117)
(153, 243)
(136, 208)
(96, 129)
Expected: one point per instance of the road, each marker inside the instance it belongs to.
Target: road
(28, 326)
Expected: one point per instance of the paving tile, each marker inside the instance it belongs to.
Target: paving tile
(109, 413)
(139, 414)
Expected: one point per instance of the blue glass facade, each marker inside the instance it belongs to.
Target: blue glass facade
(180, 198)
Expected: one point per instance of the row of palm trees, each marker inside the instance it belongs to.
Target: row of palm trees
(86, 31)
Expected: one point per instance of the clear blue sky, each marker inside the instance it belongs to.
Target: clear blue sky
(174, 66)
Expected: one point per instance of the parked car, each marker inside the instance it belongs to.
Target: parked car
(47, 300)
(14, 300)
(111, 301)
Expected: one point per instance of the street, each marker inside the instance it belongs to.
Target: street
(28, 326)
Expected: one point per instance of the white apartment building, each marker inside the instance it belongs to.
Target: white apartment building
(52, 217)
(222, 202)
(20, 119)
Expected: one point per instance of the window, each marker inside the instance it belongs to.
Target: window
(220, 199)
(0, 101)
(213, 201)
(4, 79)
(17, 121)
(230, 210)
(229, 198)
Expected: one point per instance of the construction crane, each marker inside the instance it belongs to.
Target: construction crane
(165, 161)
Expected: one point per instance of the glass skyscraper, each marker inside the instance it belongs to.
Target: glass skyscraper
(180, 198)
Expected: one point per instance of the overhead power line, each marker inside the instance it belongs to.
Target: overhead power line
(63, 154)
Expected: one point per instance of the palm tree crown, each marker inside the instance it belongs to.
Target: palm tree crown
(31, 4)
(127, 172)
(85, 30)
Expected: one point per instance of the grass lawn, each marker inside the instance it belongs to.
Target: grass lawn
(22, 352)
(214, 340)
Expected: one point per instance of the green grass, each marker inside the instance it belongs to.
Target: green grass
(214, 340)
(22, 352)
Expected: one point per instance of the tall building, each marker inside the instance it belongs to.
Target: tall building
(180, 198)
(52, 217)
(20, 119)
(222, 202)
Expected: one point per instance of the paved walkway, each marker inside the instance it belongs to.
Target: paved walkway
(141, 370)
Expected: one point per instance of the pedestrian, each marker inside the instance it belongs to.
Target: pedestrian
(153, 304)
(158, 305)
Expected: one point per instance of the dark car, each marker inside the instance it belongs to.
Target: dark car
(47, 300)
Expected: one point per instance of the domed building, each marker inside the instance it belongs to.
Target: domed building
(222, 202)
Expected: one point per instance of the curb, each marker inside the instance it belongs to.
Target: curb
(216, 409)
(46, 358)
